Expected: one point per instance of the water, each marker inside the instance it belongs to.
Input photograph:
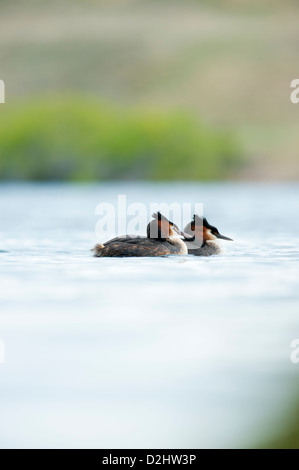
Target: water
(164, 352)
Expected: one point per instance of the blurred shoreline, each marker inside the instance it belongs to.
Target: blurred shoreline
(229, 65)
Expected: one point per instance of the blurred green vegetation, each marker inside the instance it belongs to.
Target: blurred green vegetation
(229, 62)
(79, 138)
(287, 437)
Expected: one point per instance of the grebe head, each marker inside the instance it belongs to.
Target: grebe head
(161, 228)
(203, 230)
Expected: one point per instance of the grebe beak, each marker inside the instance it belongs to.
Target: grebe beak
(222, 237)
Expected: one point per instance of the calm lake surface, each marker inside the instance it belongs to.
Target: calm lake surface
(174, 352)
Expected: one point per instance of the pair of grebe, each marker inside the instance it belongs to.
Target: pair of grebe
(163, 238)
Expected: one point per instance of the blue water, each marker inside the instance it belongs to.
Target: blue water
(159, 352)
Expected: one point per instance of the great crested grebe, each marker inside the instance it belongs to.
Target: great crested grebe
(205, 237)
(163, 238)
